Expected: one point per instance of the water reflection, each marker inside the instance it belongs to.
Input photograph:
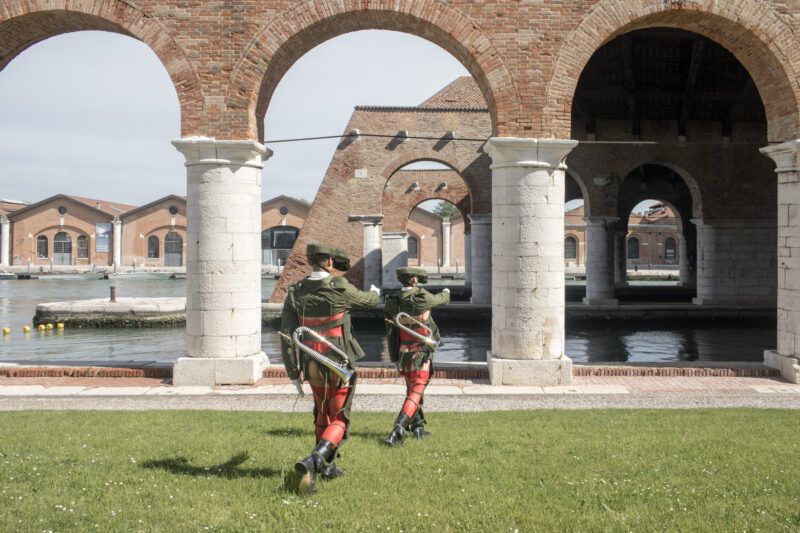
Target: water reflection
(585, 343)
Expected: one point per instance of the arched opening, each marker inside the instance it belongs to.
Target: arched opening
(82, 247)
(173, 250)
(276, 244)
(571, 249)
(437, 227)
(153, 247)
(62, 249)
(42, 247)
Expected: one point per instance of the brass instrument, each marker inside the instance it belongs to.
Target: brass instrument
(427, 339)
(340, 368)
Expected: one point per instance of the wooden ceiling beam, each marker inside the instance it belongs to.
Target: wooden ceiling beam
(694, 67)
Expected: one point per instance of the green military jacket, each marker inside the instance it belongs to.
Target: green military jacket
(322, 298)
(414, 302)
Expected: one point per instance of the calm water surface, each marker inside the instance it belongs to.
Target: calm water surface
(600, 342)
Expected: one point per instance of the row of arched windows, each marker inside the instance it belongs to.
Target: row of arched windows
(634, 248)
(62, 247)
(173, 249)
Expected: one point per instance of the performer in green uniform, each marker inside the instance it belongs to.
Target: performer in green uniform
(413, 357)
(322, 303)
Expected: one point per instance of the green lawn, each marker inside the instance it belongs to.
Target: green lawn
(603, 470)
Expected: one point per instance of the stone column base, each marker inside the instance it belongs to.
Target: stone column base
(210, 371)
(611, 302)
(536, 372)
(789, 366)
(741, 302)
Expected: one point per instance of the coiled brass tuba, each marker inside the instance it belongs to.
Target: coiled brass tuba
(427, 339)
(340, 368)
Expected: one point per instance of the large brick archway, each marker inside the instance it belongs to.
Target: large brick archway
(23, 24)
(751, 30)
(288, 37)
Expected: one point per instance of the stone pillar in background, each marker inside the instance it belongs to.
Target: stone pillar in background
(600, 261)
(372, 250)
(5, 241)
(223, 263)
(446, 243)
(736, 262)
(620, 260)
(395, 255)
(117, 242)
(468, 262)
(684, 274)
(528, 261)
(481, 258)
(787, 356)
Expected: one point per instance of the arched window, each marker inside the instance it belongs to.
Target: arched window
(276, 244)
(83, 247)
(153, 247)
(633, 248)
(570, 248)
(670, 250)
(62, 249)
(41, 247)
(173, 250)
(413, 247)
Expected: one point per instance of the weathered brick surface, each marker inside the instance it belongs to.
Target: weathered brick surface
(226, 58)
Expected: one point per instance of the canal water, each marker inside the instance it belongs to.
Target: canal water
(602, 341)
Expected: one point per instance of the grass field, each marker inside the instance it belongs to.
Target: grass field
(623, 470)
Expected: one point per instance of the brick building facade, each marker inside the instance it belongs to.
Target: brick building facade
(669, 100)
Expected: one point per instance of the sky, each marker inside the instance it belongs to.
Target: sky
(93, 113)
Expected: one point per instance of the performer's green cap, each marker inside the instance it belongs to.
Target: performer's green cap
(341, 261)
(404, 275)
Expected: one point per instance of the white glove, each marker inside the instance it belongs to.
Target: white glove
(299, 386)
(375, 289)
(446, 290)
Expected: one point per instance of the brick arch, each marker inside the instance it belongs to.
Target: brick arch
(280, 43)
(751, 30)
(579, 181)
(25, 23)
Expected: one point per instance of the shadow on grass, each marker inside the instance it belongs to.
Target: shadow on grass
(229, 469)
(289, 432)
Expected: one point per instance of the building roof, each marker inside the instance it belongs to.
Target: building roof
(9, 206)
(463, 93)
(110, 209)
(173, 197)
(285, 198)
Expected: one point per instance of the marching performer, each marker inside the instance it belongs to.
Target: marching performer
(412, 337)
(322, 303)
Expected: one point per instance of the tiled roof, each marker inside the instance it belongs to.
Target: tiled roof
(112, 208)
(463, 93)
(9, 206)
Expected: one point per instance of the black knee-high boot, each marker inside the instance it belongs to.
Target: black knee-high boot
(312, 465)
(398, 434)
(417, 425)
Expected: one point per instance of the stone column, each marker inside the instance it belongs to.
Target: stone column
(223, 262)
(481, 259)
(395, 255)
(600, 261)
(117, 244)
(445, 242)
(683, 263)
(620, 260)
(528, 261)
(5, 241)
(468, 261)
(787, 356)
(736, 262)
(372, 248)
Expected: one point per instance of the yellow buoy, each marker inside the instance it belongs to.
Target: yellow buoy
(41, 327)
(60, 325)
(26, 329)
(49, 326)
(6, 331)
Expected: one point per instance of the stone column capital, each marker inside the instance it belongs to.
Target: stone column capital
(209, 151)
(522, 152)
(600, 221)
(786, 155)
(446, 222)
(368, 220)
(116, 221)
(4, 219)
(395, 235)
(480, 218)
